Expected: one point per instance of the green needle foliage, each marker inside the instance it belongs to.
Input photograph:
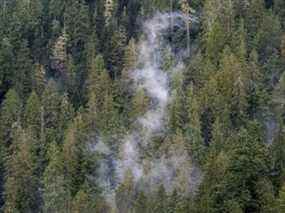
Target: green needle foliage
(66, 82)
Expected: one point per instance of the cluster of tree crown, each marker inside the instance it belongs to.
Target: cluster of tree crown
(64, 80)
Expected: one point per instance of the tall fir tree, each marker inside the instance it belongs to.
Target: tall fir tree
(21, 172)
(56, 196)
(10, 115)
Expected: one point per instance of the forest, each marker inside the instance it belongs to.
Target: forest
(142, 106)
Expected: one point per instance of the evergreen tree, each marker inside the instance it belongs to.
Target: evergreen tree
(56, 196)
(283, 46)
(51, 113)
(115, 51)
(97, 85)
(266, 196)
(214, 41)
(2, 170)
(279, 98)
(186, 9)
(10, 115)
(56, 11)
(139, 104)
(233, 84)
(254, 15)
(176, 109)
(281, 199)
(39, 79)
(193, 126)
(266, 43)
(248, 163)
(220, 12)
(77, 26)
(21, 172)
(66, 82)
(141, 203)
(83, 202)
(160, 202)
(24, 72)
(32, 114)
(278, 8)
(130, 59)
(77, 162)
(130, 62)
(125, 194)
(59, 52)
(101, 99)
(7, 65)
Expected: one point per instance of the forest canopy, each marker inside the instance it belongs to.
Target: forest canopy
(142, 106)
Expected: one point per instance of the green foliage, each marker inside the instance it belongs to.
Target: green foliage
(56, 196)
(214, 41)
(10, 115)
(125, 194)
(21, 172)
(115, 51)
(101, 104)
(75, 150)
(51, 112)
(32, 114)
(139, 104)
(281, 199)
(66, 81)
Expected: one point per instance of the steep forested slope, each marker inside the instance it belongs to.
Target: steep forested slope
(142, 106)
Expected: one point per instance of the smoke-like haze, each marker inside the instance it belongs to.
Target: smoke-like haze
(173, 169)
(155, 81)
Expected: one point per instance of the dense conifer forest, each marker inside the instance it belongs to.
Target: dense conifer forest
(142, 106)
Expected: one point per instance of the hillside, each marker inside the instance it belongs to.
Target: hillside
(142, 106)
